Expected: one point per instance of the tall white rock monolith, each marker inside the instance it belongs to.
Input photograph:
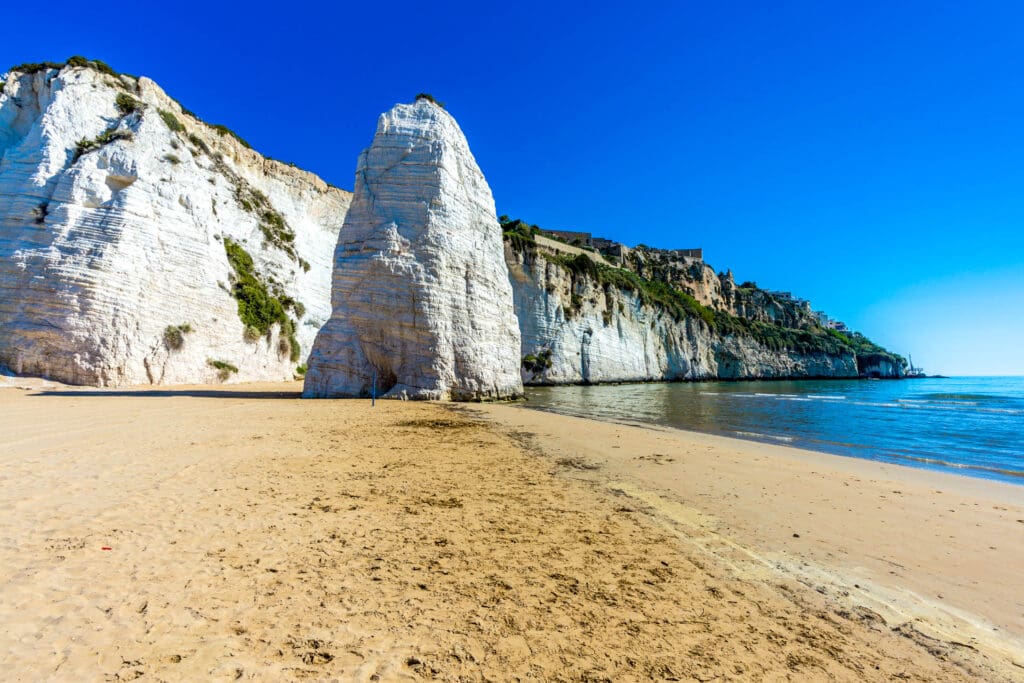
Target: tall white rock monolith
(421, 297)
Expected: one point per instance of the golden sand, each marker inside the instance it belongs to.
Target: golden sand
(256, 536)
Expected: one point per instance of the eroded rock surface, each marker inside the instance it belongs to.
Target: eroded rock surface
(576, 330)
(421, 295)
(117, 208)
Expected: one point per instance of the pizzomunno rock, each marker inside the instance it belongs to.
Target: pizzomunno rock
(421, 296)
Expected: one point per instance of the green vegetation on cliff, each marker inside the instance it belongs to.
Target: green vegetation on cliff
(224, 369)
(126, 104)
(779, 338)
(681, 306)
(677, 304)
(77, 60)
(519, 234)
(867, 349)
(172, 121)
(258, 309)
(429, 98)
(223, 130)
(86, 145)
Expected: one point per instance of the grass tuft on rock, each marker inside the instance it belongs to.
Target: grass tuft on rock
(224, 369)
(76, 60)
(275, 229)
(85, 145)
(224, 130)
(174, 335)
(126, 104)
(429, 98)
(537, 363)
(199, 143)
(258, 308)
(172, 121)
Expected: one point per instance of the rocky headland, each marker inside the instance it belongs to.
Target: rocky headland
(647, 315)
(139, 244)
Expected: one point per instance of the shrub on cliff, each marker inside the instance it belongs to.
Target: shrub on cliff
(76, 60)
(35, 67)
(102, 67)
(258, 309)
(126, 104)
(199, 143)
(86, 145)
(537, 363)
(223, 368)
(172, 121)
(174, 336)
(224, 130)
(429, 98)
(518, 234)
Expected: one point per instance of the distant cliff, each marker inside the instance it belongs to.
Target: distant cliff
(584, 321)
(139, 244)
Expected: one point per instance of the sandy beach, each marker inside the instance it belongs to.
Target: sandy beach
(240, 533)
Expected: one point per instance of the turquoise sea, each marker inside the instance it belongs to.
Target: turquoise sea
(966, 425)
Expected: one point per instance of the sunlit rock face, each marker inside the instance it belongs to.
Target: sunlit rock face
(578, 330)
(114, 222)
(421, 295)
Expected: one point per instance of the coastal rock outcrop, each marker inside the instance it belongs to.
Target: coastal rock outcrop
(577, 329)
(878, 366)
(422, 304)
(141, 245)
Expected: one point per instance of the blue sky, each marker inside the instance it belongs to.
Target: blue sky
(867, 156)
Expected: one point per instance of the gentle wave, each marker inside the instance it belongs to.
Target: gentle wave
(963, 397)
(759, 435)
(958, 465)
(905, 403)
(971, 426)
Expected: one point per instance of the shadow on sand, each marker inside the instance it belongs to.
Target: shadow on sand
(167, 393)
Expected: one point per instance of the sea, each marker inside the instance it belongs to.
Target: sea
(971, 426)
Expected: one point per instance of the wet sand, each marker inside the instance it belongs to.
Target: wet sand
(239, 533)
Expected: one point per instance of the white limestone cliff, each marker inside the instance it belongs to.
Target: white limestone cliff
(114, 223)
(576, 330)
(421, 296)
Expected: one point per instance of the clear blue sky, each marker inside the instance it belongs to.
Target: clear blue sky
(868, 156)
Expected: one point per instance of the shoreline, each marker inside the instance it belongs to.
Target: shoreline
(964, 426)
(906, 545)
(704, 380)
(992, 474)
(241, 533)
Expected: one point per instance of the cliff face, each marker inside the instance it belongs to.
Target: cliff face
(140, 245)
(718, 291)
(878, 366)
(421, 293)
(577, 329)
